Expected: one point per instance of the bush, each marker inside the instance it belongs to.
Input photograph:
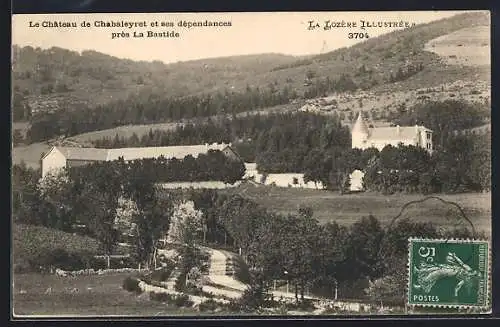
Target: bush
(36, 246)
(235, 306)
(161, 275)
(183, 301)
(192, 289)
(241, 271)
(22, 266)
(180, 283)
(60, 258)
(331, 310)
(126, 262)
(303, 305)
(132, 285)
(161, 297)
(179, 301)
(209, 305)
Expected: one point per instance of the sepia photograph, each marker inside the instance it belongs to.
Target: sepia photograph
(253, 164)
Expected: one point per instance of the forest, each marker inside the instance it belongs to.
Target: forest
(319, 146)
(365, 260)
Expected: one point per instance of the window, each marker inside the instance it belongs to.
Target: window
(429, 146)
(428, 135)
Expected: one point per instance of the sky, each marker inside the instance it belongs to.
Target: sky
(249, 33)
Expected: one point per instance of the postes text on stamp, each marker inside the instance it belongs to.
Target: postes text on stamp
(448, 273)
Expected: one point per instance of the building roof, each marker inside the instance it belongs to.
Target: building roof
(396, 133)
(90, 154)
(387, 133)
(360, 126)
(95, 154)
(168, 152)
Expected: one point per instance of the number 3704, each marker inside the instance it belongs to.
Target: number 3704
(357, 35)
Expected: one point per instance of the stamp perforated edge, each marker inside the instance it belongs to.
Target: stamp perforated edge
(485, 309)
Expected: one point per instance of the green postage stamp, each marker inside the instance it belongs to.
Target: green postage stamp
(448, 273)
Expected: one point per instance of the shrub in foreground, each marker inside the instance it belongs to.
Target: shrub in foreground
(183, 301)
(179, 301)
(161, 297)
(209, 305)
(132, 285)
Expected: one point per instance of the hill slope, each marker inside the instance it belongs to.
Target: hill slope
(91, 77)
(58, 76)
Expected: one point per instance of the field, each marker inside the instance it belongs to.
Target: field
(140, 130)
(25, 236)
(347, 209)
(96, 296)
(30, 242)
(30, 154)
(467, 46)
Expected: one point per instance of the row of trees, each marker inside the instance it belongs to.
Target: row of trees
(93, 196)
(153, 108)
(322, 87)
(278, 142)
(405, 72)
(212, 166)
(365, 257)
(463, 164)
(320, 148)
(90, 197)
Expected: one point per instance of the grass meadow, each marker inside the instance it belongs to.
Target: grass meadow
(348, 208)
(98, 295)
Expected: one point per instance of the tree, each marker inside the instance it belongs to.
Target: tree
(17, 137)
(55, 191)
(186, 224)
(97, 189)
(390, 289)
(328, 259)
(27, 206)
(257, 295)
(241, 218)
(362, 249)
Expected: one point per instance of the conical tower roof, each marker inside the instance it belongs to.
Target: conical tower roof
(360, 126)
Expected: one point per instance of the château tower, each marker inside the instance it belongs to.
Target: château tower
(359, 133)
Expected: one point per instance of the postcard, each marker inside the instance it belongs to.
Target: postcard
(257, 164)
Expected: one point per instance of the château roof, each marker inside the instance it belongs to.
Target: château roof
(387, 133)
(396, 133)
(360, 126)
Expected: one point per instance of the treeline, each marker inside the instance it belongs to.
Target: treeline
(89, 196)
(322, 86)
(279, 142)
(212, 166)
(445, 118)
(319, 147)
(405, 72)
(462, 165)
(311, 255)
(29, 191)
(152, 108)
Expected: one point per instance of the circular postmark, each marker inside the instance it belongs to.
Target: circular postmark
(447, 217)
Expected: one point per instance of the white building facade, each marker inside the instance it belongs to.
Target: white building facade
(364, 137)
